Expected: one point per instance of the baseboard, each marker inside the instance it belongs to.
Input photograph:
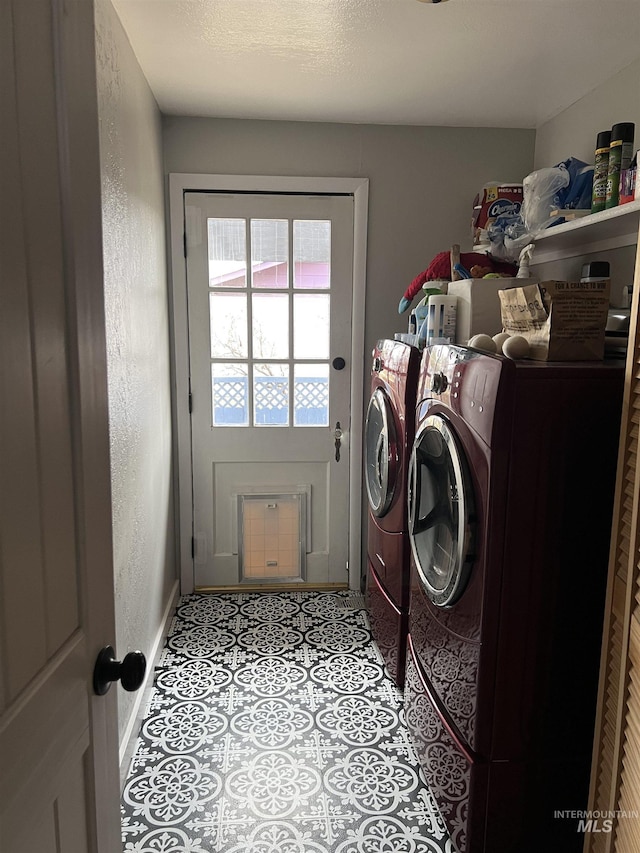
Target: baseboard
(272, 587)
(128, 742)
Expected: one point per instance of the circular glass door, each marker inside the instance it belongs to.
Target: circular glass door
(381, 453)
(441, 512)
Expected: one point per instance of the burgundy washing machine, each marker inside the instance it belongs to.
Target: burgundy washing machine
(511, 483)
(389, 431)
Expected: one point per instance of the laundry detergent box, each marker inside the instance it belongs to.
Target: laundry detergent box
(561, 320)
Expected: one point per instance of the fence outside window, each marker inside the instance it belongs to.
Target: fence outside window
(271, 401)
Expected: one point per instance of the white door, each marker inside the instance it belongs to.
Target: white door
(58, 742)
(269, 283)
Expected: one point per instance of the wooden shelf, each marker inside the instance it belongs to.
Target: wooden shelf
(597, 232)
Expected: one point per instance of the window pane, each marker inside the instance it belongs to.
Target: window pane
(227, 252)
(311, 253)
(311, 325)
(230, 395)
(269, 253)
(311, 395)
(270, 325)
(228, 323)
(271, 394)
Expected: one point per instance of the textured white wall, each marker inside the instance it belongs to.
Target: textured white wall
(137, 342)
(573, 132)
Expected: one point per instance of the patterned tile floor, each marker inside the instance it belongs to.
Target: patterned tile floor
(273, 727)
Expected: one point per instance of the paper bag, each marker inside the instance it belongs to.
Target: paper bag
(562, 320)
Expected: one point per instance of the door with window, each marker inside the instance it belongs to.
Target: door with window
(269, 285)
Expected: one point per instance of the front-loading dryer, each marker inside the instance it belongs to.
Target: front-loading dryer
(389, 432)
(510, 496)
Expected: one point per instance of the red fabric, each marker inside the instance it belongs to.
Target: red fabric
(440, 268)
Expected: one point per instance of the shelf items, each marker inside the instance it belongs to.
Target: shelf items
(598, 232)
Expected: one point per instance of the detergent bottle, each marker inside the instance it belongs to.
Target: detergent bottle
(421, 311)
(439, 326)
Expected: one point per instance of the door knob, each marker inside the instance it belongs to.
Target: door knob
(338, 363)
(130, 671)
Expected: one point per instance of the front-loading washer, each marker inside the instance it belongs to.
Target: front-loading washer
(511, 482)
(389, 431)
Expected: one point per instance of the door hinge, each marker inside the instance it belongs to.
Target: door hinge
(190, 402)
(193, 547)
(184, 242)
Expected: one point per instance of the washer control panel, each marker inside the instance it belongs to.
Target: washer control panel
(463, 380)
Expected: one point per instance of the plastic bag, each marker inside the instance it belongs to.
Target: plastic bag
(541, 195)
(568, 185)
(580, 190)
(507, 235)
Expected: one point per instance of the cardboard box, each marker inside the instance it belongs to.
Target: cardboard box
(562, 320)
(478, 311)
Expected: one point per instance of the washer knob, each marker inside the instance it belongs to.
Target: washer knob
(439, 383)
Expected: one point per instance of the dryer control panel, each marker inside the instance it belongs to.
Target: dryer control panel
(464, 380)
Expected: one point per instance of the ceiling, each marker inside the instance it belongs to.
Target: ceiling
(473, 63)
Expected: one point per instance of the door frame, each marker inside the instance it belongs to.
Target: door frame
(179, 183)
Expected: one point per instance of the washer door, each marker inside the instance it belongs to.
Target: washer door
(381, 453)
(441, 512)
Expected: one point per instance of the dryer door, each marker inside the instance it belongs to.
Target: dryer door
(441, 512)
(381, 453)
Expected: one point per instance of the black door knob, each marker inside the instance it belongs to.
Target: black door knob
(130, 671)
(339, 363)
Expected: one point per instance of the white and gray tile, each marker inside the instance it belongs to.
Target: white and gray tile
(273, 727)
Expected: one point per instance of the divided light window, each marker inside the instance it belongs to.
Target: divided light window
(269, 321)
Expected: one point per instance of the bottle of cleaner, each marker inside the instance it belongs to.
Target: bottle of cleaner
(620, 154)
(600, 172)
